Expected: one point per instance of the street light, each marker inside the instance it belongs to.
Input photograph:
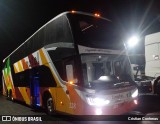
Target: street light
(132, 41)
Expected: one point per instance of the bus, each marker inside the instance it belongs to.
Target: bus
(152, 53)
(72, 65)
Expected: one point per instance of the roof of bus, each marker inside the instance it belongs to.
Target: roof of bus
(64, 13)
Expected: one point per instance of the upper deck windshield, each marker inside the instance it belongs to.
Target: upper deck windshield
(95, 32)
(106, 71)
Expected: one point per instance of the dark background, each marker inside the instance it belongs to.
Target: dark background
(19, 19)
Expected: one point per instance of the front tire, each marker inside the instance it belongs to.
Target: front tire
(11, 96)
(50, 106)
(157, 86)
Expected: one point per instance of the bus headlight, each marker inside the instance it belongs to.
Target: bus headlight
(135, 94)
(97, 101)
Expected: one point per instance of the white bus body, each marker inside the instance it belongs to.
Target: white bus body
(152, 55)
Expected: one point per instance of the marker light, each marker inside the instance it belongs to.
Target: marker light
(135, 94)
(73, 11)
(71, 82)
(97, 14)
(97, 101)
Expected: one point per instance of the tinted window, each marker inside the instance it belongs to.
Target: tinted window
(61, 67)
(95, 32)
(45, 76)
(57, 30)
(21, 79)
(43, 73)
(61, 53)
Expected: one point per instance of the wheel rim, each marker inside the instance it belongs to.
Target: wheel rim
(12, 98)
(50, 105)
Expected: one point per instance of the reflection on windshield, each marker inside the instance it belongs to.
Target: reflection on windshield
(95, 32)
(99, 69)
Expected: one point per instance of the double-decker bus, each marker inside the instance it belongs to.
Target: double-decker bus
(72, 65)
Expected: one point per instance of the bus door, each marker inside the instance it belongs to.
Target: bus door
(35, 91)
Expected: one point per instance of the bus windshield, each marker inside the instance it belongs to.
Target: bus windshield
(106, 71)
(91, 31)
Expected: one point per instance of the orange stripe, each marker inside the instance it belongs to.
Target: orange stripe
(15, 69)
(24, 95)
(43, 58)
(75, 98)
(20, 66)
(25, 66)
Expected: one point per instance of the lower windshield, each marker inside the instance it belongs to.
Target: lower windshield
(102, 71)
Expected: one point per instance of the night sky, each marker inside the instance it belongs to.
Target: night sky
(19, 19)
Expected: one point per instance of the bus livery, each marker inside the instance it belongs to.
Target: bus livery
(72, 65)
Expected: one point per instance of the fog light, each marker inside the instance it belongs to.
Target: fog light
(98, 111)
(135, 102)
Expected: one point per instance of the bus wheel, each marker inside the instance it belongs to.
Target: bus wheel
(50, 108)
(157, 86)
(11, 96)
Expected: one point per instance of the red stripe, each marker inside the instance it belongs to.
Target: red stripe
(33, 61)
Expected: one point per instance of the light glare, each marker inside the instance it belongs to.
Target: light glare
(71, 82)
(98, 111)
(97, 101)
(135, 94)
(103, 78)
(135, 102)
(133, 41)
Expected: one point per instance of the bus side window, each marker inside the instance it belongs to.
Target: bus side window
(69, 72)
(61, 67)
(70, 63)
(46, 77)
(21, 79)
